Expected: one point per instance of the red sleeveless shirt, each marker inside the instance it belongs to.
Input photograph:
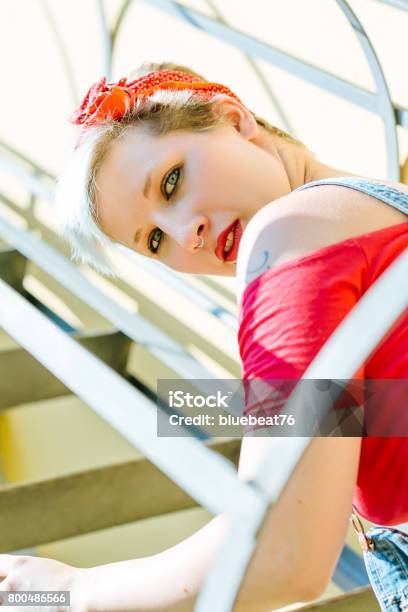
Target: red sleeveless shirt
(287, 314)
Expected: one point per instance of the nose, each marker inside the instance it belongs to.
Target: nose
(195, 239)
(190, 235)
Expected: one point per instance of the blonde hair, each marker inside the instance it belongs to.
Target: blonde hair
(163, 112)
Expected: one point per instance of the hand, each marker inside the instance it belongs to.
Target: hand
(24, 573)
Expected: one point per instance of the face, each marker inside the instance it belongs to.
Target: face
(201, 184)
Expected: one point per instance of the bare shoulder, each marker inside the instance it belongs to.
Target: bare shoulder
(305, 221)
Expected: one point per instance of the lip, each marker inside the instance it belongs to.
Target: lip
(222, 239)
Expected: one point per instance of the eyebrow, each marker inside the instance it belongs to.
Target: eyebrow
(146, 193)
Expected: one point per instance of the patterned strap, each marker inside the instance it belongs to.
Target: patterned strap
(390, 195)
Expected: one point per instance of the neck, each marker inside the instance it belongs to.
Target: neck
(299, 163)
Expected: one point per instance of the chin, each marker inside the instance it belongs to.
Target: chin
(230, 270)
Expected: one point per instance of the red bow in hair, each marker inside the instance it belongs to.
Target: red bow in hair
(113, 100)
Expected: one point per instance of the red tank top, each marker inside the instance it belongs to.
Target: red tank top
(287, 314)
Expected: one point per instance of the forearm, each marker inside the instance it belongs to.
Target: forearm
(166, 581)
(170, 581)
(292, 561)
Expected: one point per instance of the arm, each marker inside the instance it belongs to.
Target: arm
(298, 546)
(301, 538)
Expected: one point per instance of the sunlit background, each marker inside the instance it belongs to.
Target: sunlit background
(53, 50)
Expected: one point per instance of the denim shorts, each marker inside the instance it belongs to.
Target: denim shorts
(387, 567)
(385, 553)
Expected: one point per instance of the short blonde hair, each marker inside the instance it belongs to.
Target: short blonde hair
(163, 112)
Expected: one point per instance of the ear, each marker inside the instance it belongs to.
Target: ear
(238, 115)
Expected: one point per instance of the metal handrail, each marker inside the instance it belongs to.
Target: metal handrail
(399, 4)
(106, 38)
(127, 410)
(62, 51)
(377, 103)
(384, 103)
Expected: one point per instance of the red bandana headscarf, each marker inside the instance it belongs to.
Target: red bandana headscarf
(113, 100)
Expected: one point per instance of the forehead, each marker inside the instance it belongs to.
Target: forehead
(123, 162)
(119, 178)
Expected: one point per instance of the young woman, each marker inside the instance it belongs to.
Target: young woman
(180, 170)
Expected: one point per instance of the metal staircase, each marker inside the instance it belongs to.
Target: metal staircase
(80, 357)
(38, 286)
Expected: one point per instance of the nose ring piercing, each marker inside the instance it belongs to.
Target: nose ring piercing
(201, 243)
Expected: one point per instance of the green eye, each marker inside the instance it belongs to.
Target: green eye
(155, 240)
(170, 182)
(168, 187)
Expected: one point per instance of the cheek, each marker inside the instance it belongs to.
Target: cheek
(228, 179)
(214, 190)
(177, 259)
(181, 261)
(209, 174)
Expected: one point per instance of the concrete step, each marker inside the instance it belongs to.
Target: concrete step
(12, 266)
(33, 513)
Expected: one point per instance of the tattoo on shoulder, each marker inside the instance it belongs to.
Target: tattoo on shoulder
(258, 269)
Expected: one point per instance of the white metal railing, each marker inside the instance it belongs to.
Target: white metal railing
(378, 102)
(128, 410)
